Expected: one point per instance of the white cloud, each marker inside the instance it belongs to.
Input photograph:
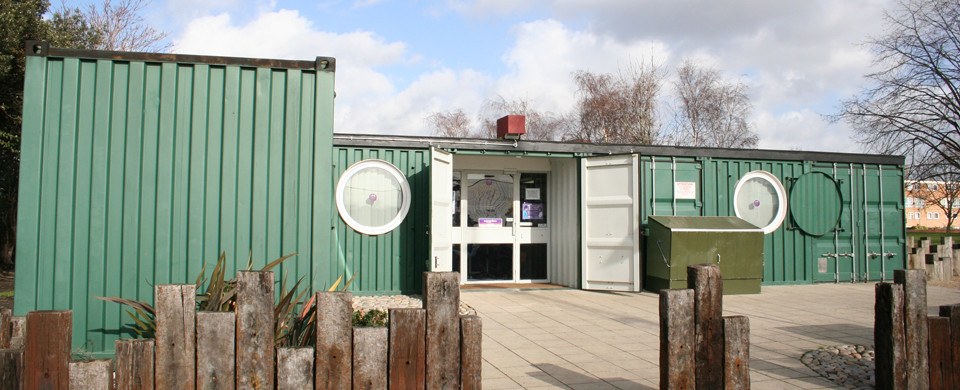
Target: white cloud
(799, 58)
(367, 100)
(803, 130)
(547, 53)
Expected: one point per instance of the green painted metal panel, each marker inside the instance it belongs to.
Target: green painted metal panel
(815, 203)
(869, 243)
(393, 262)
(784, 249)
(138, 171)
(661, 178)
(870, 207)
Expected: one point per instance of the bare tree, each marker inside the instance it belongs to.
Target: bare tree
(120, 26)
(540, 125)
(712, 112)
(618, 108)
(913, 105)
(454, 124)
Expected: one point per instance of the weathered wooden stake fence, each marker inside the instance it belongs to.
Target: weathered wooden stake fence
(940, 257)
(914, 350)
(700, 349)
(428, 348)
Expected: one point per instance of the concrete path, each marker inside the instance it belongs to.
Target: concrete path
(573, 339)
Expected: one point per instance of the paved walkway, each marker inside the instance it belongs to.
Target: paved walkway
(573, 339)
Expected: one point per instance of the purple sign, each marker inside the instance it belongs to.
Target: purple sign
(490, 222)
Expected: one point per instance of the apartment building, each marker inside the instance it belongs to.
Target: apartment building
(926, 203)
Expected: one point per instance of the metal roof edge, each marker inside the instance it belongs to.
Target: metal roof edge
(43, 49)
(414, 142)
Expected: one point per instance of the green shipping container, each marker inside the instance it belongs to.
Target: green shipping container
(393, 262)
(138, 169)
(674, 243)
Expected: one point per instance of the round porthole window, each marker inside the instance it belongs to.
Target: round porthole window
(373, 197)
(760, 199)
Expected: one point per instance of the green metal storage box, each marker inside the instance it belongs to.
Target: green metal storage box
(676, 242)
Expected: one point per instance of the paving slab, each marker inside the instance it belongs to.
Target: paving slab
(576, 339)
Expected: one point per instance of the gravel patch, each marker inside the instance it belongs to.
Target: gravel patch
(386, 302)
(849, 366)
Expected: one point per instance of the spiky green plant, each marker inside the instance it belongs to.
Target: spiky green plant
(299, 329)
(218, 295)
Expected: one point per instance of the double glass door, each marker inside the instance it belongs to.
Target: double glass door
(500, 226)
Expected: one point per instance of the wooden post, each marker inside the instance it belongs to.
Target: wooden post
(407, 348)
(46, 351)
(6, 328)
(471, 355)
(91, 375)
(295, 368)
(941, 377)
(216, 350)
(134, 364)
(953, 313)
(677, 339)
(888, 337)
(255, 330)
(176, 339)
(707, 287)
(18, 331)
(915, 326)
(441, 299)
(334, 346)
(11, 369)
(370, 358)
(736, 352)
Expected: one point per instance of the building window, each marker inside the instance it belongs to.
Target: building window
(373, 197)
(933, 186)
(915, 215)
(908, 202)
(933, 215)
(759, 198)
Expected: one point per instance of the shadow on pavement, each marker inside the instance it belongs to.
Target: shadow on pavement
(569, 378)
(835, 333)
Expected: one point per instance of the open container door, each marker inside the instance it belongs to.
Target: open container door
(441, 201)
(611, 223)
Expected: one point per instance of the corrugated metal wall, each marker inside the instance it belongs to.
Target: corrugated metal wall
(393, 262)
(868, 243)
(136, 173)
(784, 249)
(564, 212)
(659, 175)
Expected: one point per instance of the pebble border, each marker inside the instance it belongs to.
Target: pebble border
(849, 366)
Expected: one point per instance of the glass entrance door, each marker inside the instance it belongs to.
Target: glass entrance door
(502, 223)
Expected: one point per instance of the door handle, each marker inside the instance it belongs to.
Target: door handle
(718, 258)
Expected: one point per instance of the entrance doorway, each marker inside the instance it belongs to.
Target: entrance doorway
(500, 226)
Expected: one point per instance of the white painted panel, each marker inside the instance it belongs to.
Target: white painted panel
(441, 225)
(501, 163)
(564, 247)
(611, 226)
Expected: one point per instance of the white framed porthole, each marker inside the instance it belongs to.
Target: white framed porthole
(760, 199)
(373, 197)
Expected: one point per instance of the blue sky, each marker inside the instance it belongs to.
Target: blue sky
(400, 61)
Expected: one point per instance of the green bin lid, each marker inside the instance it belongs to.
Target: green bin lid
(704, 223)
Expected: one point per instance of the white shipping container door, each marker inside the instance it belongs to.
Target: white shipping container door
(611, 223)
(441, 177)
